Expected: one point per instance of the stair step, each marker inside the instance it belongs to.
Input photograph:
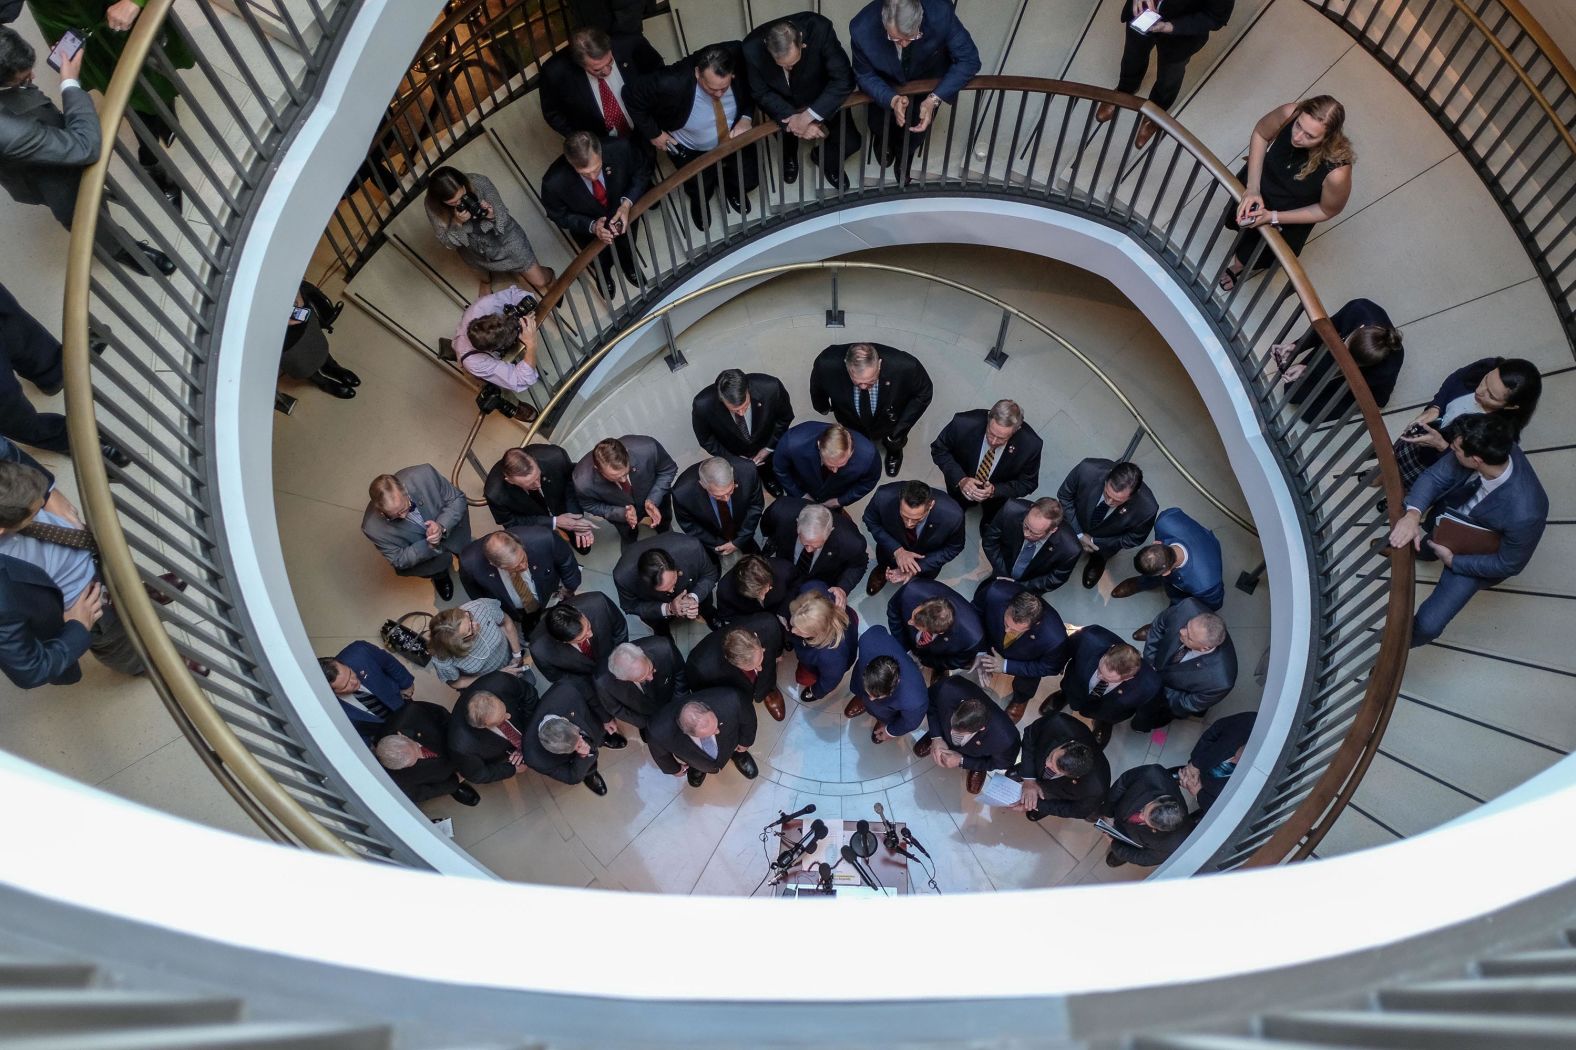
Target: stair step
(1418, 1030)
(1199, 1041)
(259, 1035)
(1552, 962)
(49, 1010)
(1526, 995)
(30, 973)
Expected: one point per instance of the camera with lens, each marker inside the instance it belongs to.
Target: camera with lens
(470, 204)
(522, 309)
(491, 399)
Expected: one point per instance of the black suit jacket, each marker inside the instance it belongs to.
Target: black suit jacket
(1051, 564)
(549, 561)
(571, 699)
(994, 747)
(481, 755)
(573, 207)
(557, 659)
(697, 574)
(661, 100)
(940, 540)
(1037, 652)
(634, 704)
(821, 80)
(692, 506)
(1197, 685)
(956, 451)
(1124, 527)
(670, 746)
(904, 391)
(707, 666)
(1064, 796)
(733, 603)
(38, 645)
(515, 506)
(771, 413)
(427, 778)
(842, 560)
(1188, 17)
(1219, 742)
(1132, 791)
(1119, 703)
(569, 104)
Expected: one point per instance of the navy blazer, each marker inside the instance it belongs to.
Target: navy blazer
(1119, 703)
(842, 560)
(798, 465)
(556, 659)
(831, 664)
(944, 50)
(994, 747)
(548, 559)
(38, 645)
(904, 711)
(1215, 748)
(940, 537)
(1124, 527)
(1051, 564)
(1041, 650)
(1201, 576)
(383, 676)
(696, 514)
(1518, 510)
(950, 650)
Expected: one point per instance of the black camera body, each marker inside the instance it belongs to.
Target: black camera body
(491, 399)
(471, 204)
(526, 307)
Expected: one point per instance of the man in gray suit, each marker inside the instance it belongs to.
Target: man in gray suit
(419, 522)
(44, 147)
(629, 482)
(1196, 659)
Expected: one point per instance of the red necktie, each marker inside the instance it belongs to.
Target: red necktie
(752, 675)
(599, 191)
(612, 115)
(584, 647)
(910, 539)
(725, 518)
(1136, 818)
(510, 733)
(426, 753)
(629, 490)
(924, 637)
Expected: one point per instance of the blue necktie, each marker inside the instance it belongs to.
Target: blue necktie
(1025, 556)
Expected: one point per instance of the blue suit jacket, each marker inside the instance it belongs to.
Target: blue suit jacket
(1201, 577)
(1037, 652)
(381, 675)
(798, 465)
(1518, 510)
(828, 665)
(940, 540)
(37, 644)
(905, 709)
(953, 649)
(945, 50)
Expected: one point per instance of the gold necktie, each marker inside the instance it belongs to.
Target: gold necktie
(528, 603)
(722, 119)
(986, 462)
(1010, 637)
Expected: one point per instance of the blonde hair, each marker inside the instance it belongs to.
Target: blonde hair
(834, 441)
(443, 634)
(1336, 149)
(818, 620)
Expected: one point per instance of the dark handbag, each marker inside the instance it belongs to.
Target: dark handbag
(405, 641)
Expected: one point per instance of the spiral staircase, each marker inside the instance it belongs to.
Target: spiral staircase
(1462, 113)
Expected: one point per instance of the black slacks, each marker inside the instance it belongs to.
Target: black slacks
(28, 350)
(1173, 53)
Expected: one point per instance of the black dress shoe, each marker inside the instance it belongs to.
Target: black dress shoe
(149, 254)
(166, 185)
(696, 777)
(1035, 816)
(1093, 571)
(698, 216)
(1055, 702)
(739, 205)
(791, 165)
(746, 764)
(115, 454)
(465, 795)
(1102, 734)
(444, 585)
(614, 741)
(835, 178)
(1113, 861)
(335, 370)
(329, 385)
(807, 695)
(595, 782)
(772, 487)
(894, 462)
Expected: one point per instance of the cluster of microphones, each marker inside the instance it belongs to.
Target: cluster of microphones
(856, 852)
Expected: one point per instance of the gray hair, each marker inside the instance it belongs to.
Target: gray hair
(904, 16)
(397, 752)
(623, 660)
(814, 520)
(558, 735)
(782, 38)
(1006, 413)
(716, 472)
(691, 713)
(1212, 627)
(861, 357)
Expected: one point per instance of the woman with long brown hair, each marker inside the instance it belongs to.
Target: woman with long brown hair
(491, 240)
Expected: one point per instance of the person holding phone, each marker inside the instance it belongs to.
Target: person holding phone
(1172, 30)
(588, 193)
(468, 216)
(1507, 386)
(305, 354)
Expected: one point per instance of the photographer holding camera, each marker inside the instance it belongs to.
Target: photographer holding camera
(495, 326)
(468, 215)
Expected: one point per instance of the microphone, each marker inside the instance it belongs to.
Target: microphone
(853, 858)
(826, 877)
(807, 845)
(890, 838)
(783, 818)
(908, 837)
(862, 840)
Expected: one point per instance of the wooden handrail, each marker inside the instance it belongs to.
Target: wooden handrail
(1516, 67)
(1540, 37)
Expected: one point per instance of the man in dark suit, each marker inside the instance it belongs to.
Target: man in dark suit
(1144, 804)
(988, 456)
(967, 729)
(371, 684)
(936, 624)
(420, 522)
(640, 679)
(535, 486)
(1181, 33)
(627, 481)
(581, 87)
(1028, 543)
(689, 109)
(620, 17)
(1486, 482)
(1064, 772)
(700, 732)
(415, 753)
(487, 728)
(917, 530)
(1185, 559)
(588, 193)
(1106, 681)
(719, 502)
(1196, 659)
(874, 390)
(575, 637)
(1024, 638)
(816, 544)
(755, 584)
(887, 685)
(896, 42)
(800, 75)
(525, 568)
(666, 578)
(1215, 757)
(828, 464)
(1107, 506)
(744, 415)
(561, 739)
(742, 656)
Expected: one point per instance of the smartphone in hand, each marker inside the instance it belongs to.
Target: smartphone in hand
(1144, 22)
(66, 47)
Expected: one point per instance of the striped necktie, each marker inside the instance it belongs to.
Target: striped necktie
(987, 461)
(80, 539)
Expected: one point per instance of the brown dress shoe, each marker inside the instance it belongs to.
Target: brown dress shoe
(922, 749)
(1055, 702)
(1105, 112)
(855, 708)
(773, 702)
(876, 581)
(1016, 709)
(975, 781)
(1127, 588)
(1146, 131)
(1142, 633)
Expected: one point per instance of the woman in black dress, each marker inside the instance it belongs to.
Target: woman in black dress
(1299, 172)
(1375, 345)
